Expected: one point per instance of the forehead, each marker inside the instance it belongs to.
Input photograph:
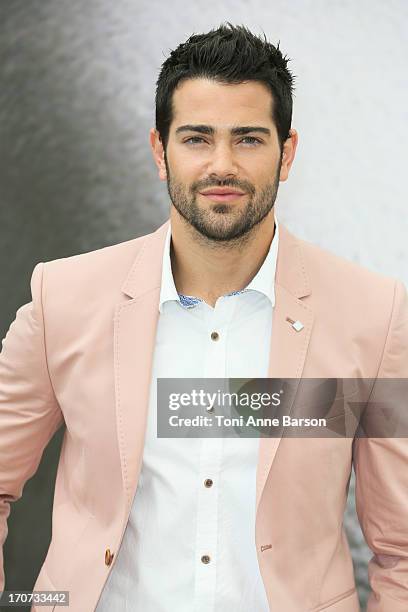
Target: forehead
(206, 101)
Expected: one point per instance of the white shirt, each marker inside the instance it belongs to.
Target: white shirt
(175, 519)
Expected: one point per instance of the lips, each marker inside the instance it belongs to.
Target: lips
(222, 195)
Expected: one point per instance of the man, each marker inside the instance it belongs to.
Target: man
(220, 290)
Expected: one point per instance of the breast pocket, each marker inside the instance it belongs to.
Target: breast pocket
(324, 408)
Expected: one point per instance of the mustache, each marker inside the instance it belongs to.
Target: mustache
(226, 183)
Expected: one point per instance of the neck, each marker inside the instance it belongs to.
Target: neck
(208, 269)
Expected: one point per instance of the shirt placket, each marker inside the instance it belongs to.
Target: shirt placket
(216, 324)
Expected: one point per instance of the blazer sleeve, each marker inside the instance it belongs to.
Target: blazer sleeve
(29, 411)
(381, 469)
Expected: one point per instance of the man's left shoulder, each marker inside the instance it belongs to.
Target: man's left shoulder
(367, 308)
(326, 268)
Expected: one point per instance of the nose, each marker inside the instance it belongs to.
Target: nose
(222, 161)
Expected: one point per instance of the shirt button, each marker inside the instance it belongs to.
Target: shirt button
(108, 556)
(205, 559)
(215, 335)
(208, 482)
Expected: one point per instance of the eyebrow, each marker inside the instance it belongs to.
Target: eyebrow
(235, 131)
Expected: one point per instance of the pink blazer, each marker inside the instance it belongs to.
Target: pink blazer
(81, 352)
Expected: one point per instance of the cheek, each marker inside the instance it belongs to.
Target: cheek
(184, 157)
(186, 168)
(258, 170)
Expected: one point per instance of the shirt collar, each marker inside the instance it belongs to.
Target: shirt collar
(263, 281)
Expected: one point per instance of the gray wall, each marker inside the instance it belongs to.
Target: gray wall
(77, 100)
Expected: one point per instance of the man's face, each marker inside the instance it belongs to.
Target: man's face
(249, 162)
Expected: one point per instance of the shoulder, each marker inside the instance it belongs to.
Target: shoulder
(340, 286)
(98, 271)
(339, 273)
(364, 310)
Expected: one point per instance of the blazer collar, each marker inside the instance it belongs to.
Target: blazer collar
(291, 273)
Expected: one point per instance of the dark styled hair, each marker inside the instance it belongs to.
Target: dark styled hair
(228, 54)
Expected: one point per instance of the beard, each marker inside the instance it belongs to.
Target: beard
(220, 222)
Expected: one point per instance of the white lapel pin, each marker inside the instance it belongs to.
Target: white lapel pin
(297, 325)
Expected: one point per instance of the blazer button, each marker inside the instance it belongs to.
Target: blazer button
(108, 556)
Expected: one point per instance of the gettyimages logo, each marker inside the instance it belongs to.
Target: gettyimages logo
(276, 407)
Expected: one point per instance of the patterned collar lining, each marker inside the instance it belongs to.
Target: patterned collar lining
(189, 301)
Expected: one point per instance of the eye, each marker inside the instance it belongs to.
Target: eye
(192, 138)
(254, 141)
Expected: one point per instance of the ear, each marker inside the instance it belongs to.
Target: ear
(288, 154)
(158, 153)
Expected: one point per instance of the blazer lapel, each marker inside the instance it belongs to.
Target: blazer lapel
(288, 346)
(135, 325)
